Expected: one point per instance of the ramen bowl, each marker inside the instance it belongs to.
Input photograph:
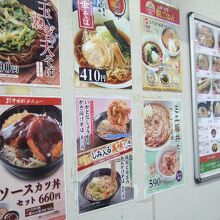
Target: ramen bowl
(170, 51)
(110, 137)
(25, 172)
(122, 26)
(99, 173)
(169, 148)
(156, 51)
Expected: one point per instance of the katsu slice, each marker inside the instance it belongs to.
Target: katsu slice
(44, 138)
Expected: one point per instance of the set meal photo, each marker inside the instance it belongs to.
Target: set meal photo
(31, 140)
(161, 54)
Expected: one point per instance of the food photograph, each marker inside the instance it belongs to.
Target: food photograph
(216, 109)
(31, 154)
(29, 43)
(104, 150)
(163, 144)
(204, 85)
(205, 36)
(32, 144)
(105, 47)
(216, 86)
(171, 41)
(161, 52)
(216, 64)
(202, 62)
(204, 109)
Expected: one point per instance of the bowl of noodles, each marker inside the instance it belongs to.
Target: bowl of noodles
(31, 142)
(106, 47)
(20, 38)
(152, 54)
(108, 132)
(171, 41)
(98, 186)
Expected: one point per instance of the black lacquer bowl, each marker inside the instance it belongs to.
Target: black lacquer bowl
(31, 173)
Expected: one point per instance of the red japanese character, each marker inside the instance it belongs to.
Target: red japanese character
(39, 23)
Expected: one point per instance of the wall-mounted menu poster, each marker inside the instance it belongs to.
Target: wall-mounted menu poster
(163, 145)
(104, 152)
(101, 42)
(29, 42)
(31, 158)
(160, 46)
(205, 71)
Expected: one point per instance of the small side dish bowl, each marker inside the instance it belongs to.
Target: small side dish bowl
(167, 149)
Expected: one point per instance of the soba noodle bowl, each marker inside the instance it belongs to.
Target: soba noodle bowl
(101, 188)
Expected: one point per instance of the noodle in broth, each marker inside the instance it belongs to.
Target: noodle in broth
(117, 62)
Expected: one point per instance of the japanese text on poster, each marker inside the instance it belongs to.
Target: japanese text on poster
(163, 145)
(31, 158)
(104, 147)
(161, 49)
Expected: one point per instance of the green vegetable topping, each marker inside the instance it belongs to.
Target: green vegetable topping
(16, 29)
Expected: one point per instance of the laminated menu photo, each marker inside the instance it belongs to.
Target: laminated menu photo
(207, 106)
(102, 44)
(160, 47)
(31, 158)
(104, 152)
(163, 145)
(29, 43)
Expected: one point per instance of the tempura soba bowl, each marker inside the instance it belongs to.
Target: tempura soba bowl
(111, 137)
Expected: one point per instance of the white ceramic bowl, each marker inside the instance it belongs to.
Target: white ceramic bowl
(170, 53)
(146, 39)
(122, 24)
(158, 158)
